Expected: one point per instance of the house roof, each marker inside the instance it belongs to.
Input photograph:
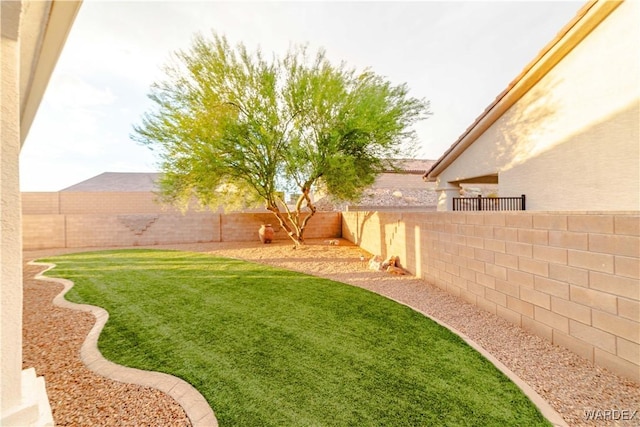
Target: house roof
(146, 181)
(411, 166)
(118, 182)
(586, 19)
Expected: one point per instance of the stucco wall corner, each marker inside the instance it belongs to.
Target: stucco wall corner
(34, 408)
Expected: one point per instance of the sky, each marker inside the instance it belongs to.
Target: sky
(457, 55)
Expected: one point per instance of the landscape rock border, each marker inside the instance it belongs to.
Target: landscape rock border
(194, 404)
(575, 388)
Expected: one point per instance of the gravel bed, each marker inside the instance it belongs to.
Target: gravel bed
(53, 336)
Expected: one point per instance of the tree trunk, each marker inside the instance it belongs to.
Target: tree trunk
(295, 221)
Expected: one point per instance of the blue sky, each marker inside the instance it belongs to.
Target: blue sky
(459, 55)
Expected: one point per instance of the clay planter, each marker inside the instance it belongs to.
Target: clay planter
(266, 233)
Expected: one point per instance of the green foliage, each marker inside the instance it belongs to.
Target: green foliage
(233, 128)
(271, 347)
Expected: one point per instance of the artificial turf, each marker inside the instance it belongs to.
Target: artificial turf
(272, 347)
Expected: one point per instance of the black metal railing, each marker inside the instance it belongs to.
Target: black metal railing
(489, 203)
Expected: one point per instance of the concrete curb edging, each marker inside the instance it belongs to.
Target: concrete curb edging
(194, 404)
(198, 410)
(545, 408)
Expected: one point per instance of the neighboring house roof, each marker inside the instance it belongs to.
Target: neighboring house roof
(145, 181)
(406, 180)
(401, 188)
(412, 166)
(587, 18)
(118, 182)
(399, 179)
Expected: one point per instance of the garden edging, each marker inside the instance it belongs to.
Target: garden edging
(194, 404)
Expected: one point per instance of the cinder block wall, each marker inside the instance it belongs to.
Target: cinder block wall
(243, 227)
(55, 220)
(110, 202)
(140, 229)
(43, 231)
(40, 203)
(99, 202)
(572, 278)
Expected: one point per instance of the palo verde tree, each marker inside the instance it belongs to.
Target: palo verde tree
(233, 128)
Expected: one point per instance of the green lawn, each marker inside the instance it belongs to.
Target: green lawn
(272, 347)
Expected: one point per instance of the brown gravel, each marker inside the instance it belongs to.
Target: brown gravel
(53, 336)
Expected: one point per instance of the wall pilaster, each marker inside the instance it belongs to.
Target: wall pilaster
(23, 397)
(446, 192)
(10, 250)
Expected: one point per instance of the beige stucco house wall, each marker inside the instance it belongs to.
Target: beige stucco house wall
(566, 131)
(33, 34)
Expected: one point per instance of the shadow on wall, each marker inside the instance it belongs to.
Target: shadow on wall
(596, 168)
(356, 230)
(528, 126)
(366, 216)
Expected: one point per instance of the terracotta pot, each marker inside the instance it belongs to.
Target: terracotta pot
(266, 233)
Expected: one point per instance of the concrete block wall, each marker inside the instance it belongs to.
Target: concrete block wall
(43, 231)
(110, 203)
(99, 202)
(243, 227)
(40, 203)
(140, 229)
(364, 229)
(127, 229)
(570, 277)
(83, 219)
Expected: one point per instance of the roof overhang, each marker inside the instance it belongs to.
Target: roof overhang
(587, 18)
(44, 27)
(486, 179)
